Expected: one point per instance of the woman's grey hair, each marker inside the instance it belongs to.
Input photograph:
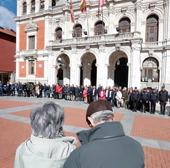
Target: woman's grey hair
(47, 121)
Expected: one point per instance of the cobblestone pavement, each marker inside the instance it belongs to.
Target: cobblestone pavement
(152, 131)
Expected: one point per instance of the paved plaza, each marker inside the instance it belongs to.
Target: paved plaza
(152, 131)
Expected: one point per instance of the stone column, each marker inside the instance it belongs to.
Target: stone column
(47, 4)
(135, 63)
(102, 67)
(167, 20)
(52, 72)
(17, 69)
(46, 69)
(28, 7)
(74, 67)
(102, 74)
(165, 75)
(75, 74)
(37, 6)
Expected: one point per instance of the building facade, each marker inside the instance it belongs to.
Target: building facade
(7, 55)
(124, 43)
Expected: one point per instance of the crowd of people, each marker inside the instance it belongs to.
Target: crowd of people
(143, 100)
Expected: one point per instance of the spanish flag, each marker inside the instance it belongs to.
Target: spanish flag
(83, 6)
(101, 3)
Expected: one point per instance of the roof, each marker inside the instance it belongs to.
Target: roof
(8, 31)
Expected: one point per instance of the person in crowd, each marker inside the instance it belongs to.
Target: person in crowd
(12, 89)
(60, 92)
(119, 100)
(72, 92)
(1, 89)
(57, 90)
(109, 94)
(94, 93)
(105, 144)
(85, 92)
(19, 89)
(113, 96)
(144, 98)
(77, 93)
(125, 97)
(89, 94)
(45, 90)
(37, 90)
(130, 103)
(47, 147)
(135, 98)
(102, 94)
(153, 100)
(163, 98)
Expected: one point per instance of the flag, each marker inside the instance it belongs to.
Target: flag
(83, 6)
(71, 11)
(101, 3)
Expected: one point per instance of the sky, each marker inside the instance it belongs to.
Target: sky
(7, 14)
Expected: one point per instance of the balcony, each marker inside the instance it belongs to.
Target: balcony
(94, 40)
(152, 45)
(29, 52)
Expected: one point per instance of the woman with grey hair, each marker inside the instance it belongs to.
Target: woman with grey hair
(47, 147)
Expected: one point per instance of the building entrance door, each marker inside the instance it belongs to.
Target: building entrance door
(121, 72)
(60, 76)
(93, 73)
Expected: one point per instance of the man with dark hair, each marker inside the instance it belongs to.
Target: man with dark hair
(105, 145)
(153, 100)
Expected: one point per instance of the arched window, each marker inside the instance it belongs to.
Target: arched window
(53, 3)
(99, 27)
(150, 70)
(42, 4)
(58, 33)
(24, 8)
(32, 5)
(77, 30)
(152, 28)
(124, 25)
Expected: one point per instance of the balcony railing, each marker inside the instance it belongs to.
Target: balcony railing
(112, 38)
(152, 44)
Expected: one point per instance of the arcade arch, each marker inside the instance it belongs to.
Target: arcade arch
(88, 70)
(63, 69)
(118, 69)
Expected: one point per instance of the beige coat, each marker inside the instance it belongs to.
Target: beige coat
(44, 153)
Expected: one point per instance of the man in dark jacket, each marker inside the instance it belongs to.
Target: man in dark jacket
(153, 100)
(135, 98)
(105, 145)
(163, 98)
(144, 98)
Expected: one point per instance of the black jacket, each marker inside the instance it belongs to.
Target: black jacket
(163, 96)
(106, 146)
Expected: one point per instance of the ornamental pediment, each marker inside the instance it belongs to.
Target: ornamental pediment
(31, 26)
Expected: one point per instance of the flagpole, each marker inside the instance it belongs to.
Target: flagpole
(87, 22)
